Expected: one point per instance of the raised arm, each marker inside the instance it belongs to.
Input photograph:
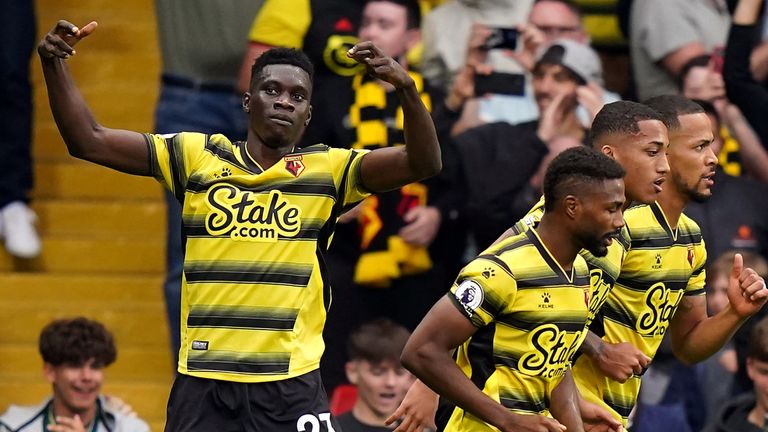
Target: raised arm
(392, 167)
(696, 337)
(122, 150)
(742, 89)
(428, 355)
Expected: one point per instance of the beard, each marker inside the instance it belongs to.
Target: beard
(595, 243)
(691, 192)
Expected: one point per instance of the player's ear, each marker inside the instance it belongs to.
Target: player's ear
(49, 372)
(572, 206)
(608, 151)
(309, 116)
(351, 370)
(246, 101)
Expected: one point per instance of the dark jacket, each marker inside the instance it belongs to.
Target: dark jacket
(733, 417)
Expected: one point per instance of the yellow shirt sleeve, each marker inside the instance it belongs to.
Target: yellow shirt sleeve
(173, 158)
(346, 175)
(483, 290)
(282, 23)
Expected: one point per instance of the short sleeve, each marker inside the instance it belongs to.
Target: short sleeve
(665, 27)
(282, 23)
(346, 175)
(173, 158)
(484, 288)
(697, 254)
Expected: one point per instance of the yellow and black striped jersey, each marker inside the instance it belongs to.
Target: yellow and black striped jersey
(530, 315)
(254, 291)
(661, 266)
(603, 271)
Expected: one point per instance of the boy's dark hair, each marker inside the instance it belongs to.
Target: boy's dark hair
(757, 348)
(671, 107)
(377, 341)
(75, 341)
(572, 169)
(698, 61)
(620, 117)
(286, 56)
(412, 11)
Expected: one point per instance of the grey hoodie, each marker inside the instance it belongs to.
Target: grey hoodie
(31, 419)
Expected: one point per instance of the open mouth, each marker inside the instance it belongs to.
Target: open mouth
(709, 179)
(657, 184)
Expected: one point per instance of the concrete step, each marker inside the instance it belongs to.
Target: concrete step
(99, 218)
(134, 324)
(119, 288)
(65, 255)
(83, 180)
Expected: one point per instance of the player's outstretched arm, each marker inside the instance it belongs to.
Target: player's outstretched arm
(427, 355)
(392, 167)
(696, 337)
(85, 139)
(616, 361)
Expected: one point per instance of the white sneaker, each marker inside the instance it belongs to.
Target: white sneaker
(18, 223)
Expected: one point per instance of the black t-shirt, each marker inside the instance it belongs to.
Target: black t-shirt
(349, 423)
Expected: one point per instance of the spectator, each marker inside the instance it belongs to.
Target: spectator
(197, 96)
(499, 172)
(374, 368)
(390, 256)
(75, 353)
(448, 27)
(748, 412)
(17, 220)
(702, 79)
(666, 34)
(718, 372)
(743, 90)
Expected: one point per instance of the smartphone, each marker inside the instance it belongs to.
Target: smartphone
(500, 83)
(718, 57)
(502, 37)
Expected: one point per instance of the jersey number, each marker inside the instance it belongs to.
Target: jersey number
(314, 422)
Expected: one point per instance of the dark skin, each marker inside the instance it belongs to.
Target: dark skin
(428, 351)
(277, 105)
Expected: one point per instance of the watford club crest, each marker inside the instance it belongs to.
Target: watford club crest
(294, 165)
(691, 255)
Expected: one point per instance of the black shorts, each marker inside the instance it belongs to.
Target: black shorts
(207, 405)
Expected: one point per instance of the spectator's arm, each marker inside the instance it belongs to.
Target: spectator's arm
(759, 62)
(753, 155)
(742, 89)
(677, 59)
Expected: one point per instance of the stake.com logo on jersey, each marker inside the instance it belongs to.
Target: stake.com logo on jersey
(249, 216)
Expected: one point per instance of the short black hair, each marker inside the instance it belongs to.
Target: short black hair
(708, 108)
(554, 56)
(75, 341)
(673, 106)
(377, 341)
(698, 61)
(571, 169)
(620, 117)
(286, 56)
(412, 11)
